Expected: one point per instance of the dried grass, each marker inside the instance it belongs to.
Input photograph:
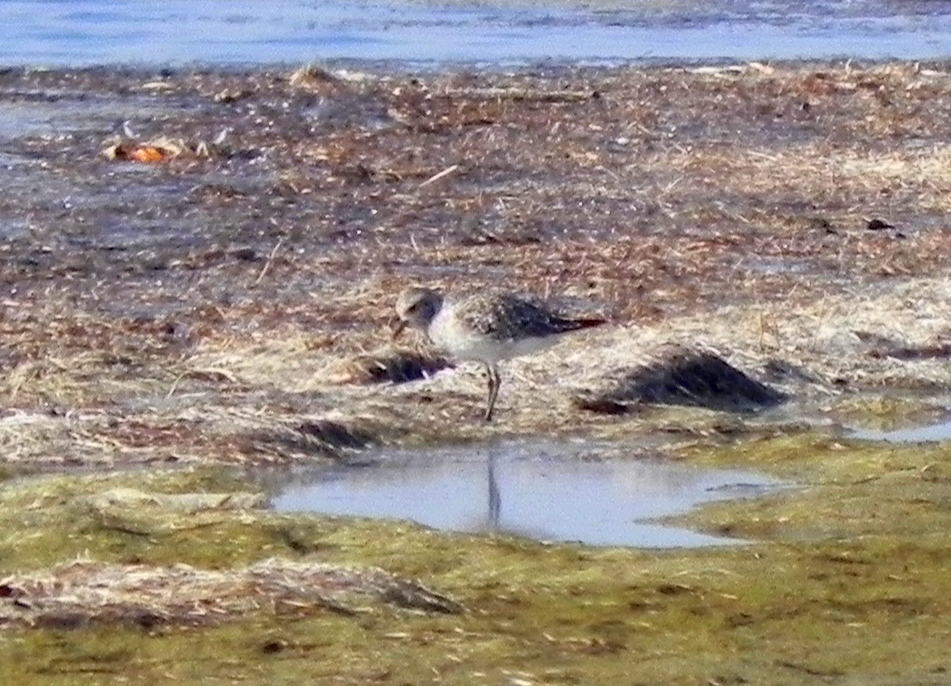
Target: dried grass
(392, 366)
(186, 502)
(83, 592)
(719, 208)
(315, 78)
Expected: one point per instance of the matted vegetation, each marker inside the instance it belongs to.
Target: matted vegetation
(848, 582)
(231, 309)
(175, 310)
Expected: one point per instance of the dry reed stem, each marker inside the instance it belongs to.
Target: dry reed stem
(84, 592)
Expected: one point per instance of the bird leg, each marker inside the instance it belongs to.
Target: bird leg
(494, 382)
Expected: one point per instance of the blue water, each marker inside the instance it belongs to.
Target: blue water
(932, 433)
(572, 491)
(235, 32)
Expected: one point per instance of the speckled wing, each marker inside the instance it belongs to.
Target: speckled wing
(506, 317)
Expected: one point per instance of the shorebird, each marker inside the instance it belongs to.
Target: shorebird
(484, 327)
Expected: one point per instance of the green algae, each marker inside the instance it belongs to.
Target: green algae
(848, 581)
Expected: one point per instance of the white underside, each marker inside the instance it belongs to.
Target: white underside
(464, 344)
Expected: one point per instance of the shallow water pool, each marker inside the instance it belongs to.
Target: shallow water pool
(575, 491)
(930, 433)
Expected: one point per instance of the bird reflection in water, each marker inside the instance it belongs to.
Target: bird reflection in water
(495, 497)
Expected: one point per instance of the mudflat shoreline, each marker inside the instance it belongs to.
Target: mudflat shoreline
(197, 271)
(789, 217)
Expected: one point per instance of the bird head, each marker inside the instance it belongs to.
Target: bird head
(415, 307)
